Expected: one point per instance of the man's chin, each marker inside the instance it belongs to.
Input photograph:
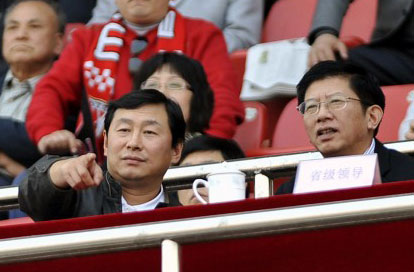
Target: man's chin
(328, 150)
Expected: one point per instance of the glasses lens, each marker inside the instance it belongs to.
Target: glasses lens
(176, 85)
(310, 107)
(150, 84)
(337, 102)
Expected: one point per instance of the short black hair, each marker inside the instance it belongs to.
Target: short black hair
(139, 98)
(61, 16)
(364, 84)
(192, 72)
(229, 149)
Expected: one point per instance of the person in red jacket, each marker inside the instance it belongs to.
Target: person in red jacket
(101, 59)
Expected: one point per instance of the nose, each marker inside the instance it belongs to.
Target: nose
(21, 32)
(163, 88)
(135, 141)
(324, 113)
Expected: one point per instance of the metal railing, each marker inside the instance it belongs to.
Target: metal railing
(170, 234)
(178, 178)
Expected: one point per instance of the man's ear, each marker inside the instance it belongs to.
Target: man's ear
(374, 116)
(176, 153)
(105, 146)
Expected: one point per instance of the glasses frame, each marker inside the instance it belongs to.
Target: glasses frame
(347, 99)
(186, 86)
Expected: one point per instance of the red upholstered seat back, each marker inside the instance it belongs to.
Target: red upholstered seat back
(253, 131)
(395, 109)
(289, 131)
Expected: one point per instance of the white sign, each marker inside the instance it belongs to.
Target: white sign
(337, 173)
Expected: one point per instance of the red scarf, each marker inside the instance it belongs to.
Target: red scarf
(101, 64)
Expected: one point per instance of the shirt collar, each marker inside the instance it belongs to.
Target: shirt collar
(150, 205)
(140, 30)
(10, 80)
(371, 148)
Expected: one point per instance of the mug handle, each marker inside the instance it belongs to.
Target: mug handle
(195, 191)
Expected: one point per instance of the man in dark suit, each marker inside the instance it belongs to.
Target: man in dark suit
(389, 55)
(342, 107)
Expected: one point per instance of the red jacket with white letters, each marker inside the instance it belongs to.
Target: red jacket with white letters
(60, 91)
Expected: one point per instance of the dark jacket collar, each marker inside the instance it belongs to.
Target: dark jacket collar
(383, 158)
(113, 191)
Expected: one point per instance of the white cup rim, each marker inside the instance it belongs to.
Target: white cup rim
(221, 172)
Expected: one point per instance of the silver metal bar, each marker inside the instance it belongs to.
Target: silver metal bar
(170, 259)
(182, 177)
(210, 228)
(8, 198)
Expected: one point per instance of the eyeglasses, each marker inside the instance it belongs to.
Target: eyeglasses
(334, 103)
(137, 46)
(174, 85)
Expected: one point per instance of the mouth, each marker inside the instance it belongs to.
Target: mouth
(20, 45)
(326, 133)
(133, 159)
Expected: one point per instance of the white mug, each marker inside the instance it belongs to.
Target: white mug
(223, 185)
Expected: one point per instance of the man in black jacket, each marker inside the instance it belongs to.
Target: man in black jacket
(143, 135)
(342, 107)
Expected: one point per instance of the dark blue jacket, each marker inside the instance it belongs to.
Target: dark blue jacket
(14, 140)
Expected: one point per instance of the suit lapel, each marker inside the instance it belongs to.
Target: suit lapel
(383, 159)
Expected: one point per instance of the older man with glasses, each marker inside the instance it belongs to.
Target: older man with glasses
(101, 58)
(342, 107)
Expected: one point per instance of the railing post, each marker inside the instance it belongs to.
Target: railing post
(263, 186)
(170, 256)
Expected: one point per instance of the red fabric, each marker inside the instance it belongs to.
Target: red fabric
(367, 247)
(60, 90)
(373, 247)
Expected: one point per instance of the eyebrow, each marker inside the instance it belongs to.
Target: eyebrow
(14, 21)
(151, 122)
(337, 93)
(145, 123)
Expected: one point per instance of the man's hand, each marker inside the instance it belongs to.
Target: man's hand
(79, 173)
(410, 134)
(324, 48)
(12, 167)
(59, 142)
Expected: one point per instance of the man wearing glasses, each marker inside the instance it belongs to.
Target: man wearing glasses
(342, 107)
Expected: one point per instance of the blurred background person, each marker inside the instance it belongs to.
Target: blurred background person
(32, 39)
(240, 20)
(389, 55)
(206, 149)
(182, 79)
(99, 62)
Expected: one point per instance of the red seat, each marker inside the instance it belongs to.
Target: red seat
(395, 109)
(238, 59)
(289, 132)
(252, 133)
